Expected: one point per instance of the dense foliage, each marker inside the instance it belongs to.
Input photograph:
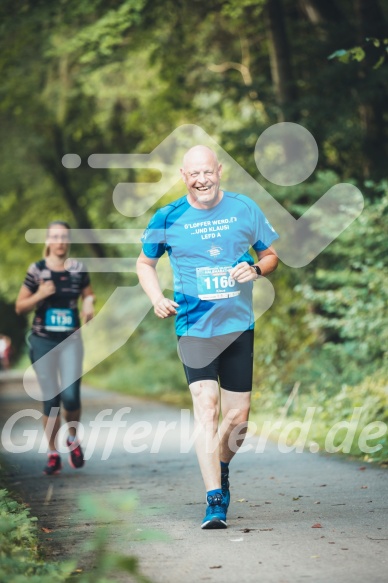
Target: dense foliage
(19, 556)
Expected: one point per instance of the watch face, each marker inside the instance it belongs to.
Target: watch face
(257, 269)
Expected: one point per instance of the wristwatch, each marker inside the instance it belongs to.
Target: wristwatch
(257, 269)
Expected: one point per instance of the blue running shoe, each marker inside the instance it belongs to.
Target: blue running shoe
(225, 488)
(215, 512)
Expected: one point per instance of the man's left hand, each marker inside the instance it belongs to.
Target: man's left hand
(243, 272)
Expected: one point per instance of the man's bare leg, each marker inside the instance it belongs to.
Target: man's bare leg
(235, 412)
(206, 404)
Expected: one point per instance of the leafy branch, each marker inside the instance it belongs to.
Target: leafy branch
(358, 53)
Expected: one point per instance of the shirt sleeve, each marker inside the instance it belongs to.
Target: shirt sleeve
(263, 232)
(31, 281)
(85, 278)
(154, 237)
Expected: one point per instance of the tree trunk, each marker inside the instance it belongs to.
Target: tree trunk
(320, 12)
(331, 25)
(54, 167)
(371, 23)
(280, 61)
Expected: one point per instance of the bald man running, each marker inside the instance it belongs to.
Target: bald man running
(208, 234)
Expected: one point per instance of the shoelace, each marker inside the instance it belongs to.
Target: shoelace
(214, 503)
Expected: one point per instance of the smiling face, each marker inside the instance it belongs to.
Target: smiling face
(201, 173)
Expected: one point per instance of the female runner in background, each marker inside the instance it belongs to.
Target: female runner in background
(53, 292)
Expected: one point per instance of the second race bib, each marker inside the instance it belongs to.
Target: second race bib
(215, 283)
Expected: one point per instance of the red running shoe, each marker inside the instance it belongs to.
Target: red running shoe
(54, 464)
(76, 457)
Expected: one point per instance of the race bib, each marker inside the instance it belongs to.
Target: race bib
(59, 320)
(215, 283)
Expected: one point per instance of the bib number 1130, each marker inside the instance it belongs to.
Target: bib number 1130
(59, 320)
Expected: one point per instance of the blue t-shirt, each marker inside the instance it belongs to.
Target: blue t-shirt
(203, 245)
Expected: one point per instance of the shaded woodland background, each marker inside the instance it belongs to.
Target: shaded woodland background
(89, 76)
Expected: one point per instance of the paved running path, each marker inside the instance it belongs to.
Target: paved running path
(276, 499)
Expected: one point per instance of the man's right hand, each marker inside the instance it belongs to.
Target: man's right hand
(165, 308)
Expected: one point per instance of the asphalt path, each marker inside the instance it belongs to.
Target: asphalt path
(294, 517)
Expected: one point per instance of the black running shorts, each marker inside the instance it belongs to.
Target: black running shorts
(227, 359)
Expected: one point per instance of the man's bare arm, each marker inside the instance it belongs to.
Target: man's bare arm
(267, 261)
(149, 281)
